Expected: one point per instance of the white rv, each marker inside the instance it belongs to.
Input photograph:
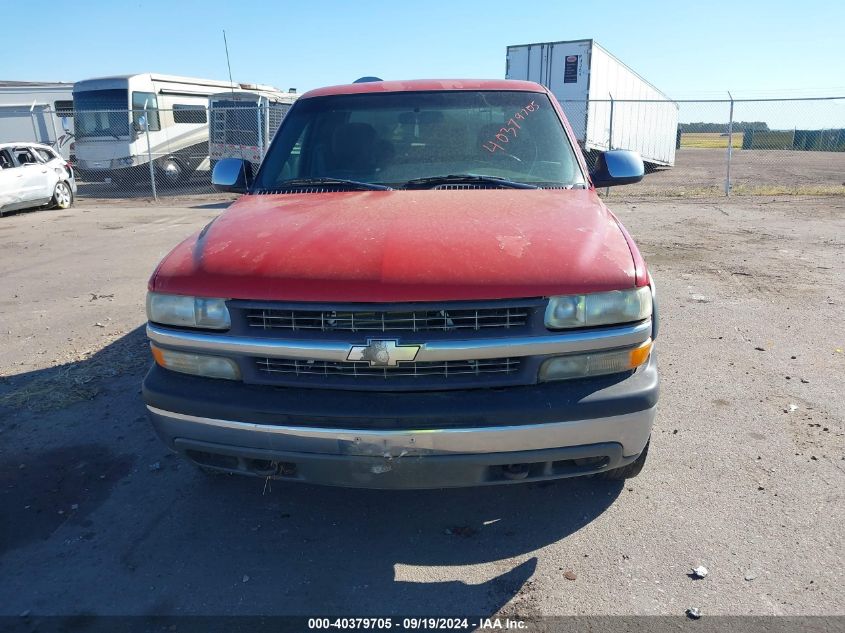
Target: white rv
(123, 121)
(609, 106)
(243, 122)
(35, 111)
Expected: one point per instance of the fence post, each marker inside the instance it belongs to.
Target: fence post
(730, 147)
(610, 139)
(260, 128)
(150, 151)
(32, 120)
(52, 115)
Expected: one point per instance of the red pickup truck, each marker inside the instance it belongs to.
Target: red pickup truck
(420, 288)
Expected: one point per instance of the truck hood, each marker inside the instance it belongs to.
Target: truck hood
(384, 246)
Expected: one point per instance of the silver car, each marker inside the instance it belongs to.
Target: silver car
(34, 175)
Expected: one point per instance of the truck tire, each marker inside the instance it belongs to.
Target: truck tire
(627, 472)
(62, 196)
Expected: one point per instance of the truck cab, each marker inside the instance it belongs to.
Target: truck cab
(419, 288)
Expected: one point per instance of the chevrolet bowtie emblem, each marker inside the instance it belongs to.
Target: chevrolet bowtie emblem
(383, 353)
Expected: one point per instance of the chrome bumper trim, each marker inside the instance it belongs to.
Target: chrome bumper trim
(630, 430)
(338, 351)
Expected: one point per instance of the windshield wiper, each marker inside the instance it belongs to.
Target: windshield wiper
(457, 179)
(354, 185)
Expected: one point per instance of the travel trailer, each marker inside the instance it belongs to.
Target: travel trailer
(243, 122)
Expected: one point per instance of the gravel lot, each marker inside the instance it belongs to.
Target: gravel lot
(702, 171)
(745, 473)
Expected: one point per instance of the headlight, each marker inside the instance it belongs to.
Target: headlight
(600, 308)
(188, 311)
(594, 364)
(197, 364)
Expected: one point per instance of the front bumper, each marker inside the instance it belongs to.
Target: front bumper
(407, 440)
(109, 164)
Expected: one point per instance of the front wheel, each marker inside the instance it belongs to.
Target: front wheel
(627, 472)
(172, 171)
(62, 196)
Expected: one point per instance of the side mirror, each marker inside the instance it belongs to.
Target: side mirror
(617, 167)
(232, 174)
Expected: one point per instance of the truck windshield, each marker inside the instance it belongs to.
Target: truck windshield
(101, 113)
(391, 139)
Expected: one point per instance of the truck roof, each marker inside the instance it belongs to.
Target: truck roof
(420, 85)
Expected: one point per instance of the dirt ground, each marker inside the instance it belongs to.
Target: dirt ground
(745, 473)
(702, 172)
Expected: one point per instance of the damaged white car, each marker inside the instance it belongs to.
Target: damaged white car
(34, 175)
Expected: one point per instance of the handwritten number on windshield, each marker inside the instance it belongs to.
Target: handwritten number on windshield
(509, 131)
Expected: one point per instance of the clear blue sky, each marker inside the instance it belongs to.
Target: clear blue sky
(684, 48)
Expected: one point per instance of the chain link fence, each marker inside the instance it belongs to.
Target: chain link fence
(697, 148)
(790, 146)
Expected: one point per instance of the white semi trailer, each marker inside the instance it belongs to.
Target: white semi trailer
(608, 105)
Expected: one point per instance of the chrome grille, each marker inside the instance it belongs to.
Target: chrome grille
(358, 369)
(382, 321)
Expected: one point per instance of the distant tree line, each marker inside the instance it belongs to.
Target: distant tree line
(738, 127)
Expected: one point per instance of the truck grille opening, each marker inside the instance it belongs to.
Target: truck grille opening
(446, 320)
(465, 186)
(362, 369)
(298, 190)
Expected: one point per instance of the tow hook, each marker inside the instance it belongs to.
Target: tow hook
(515, 471)
(387, 465)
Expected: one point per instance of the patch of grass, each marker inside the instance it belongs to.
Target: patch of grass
(710, 140)
(778, 190)
(80, 379)
(61, 388)
(737, 190)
